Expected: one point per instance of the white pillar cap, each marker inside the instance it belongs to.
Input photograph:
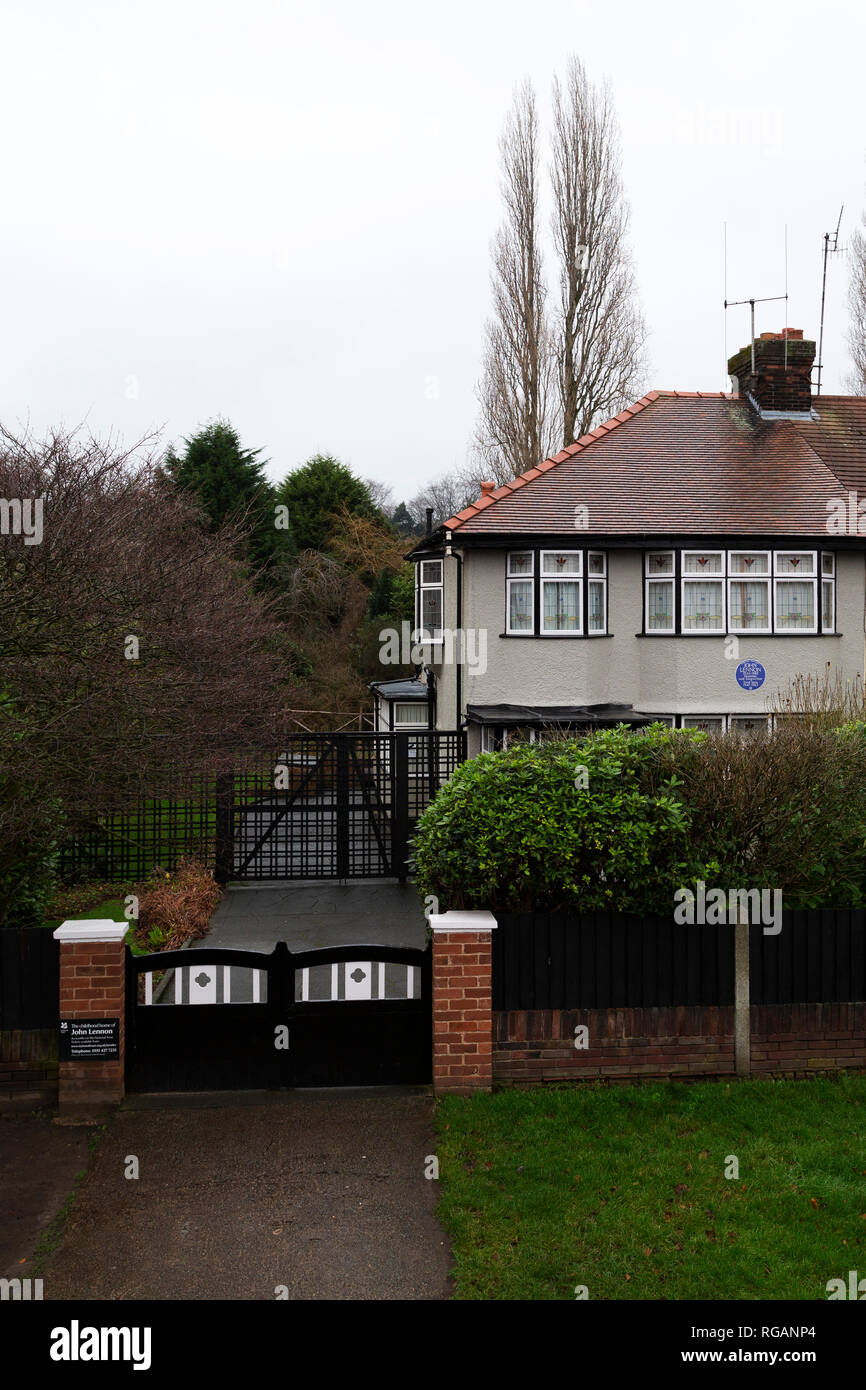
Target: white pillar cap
(96, 929)
(462, 921)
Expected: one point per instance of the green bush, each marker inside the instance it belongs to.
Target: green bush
(662, 808)
(27, 881)
(785, 812)
(530, 829)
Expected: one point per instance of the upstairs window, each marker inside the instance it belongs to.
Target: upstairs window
(659, 590)
(796, 584)
(596, 587)
(428, 600)
(828, 593)
(561, 591)
(749, 591)
(521, 568)
(703, 591)
(556, 593)
(740, 591)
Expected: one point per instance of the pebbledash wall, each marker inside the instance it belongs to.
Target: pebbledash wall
(527, 998)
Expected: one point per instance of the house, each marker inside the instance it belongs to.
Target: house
(682, 562)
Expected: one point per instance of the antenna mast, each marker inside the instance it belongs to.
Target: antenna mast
(828, 250)
(767, 299)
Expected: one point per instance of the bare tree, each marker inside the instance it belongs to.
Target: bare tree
(600, 328)
(516, 429)
(857, 307)
(132, 650)
(381, 495)
(445, 496)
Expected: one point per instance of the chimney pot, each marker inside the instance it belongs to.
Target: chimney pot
(486, 488)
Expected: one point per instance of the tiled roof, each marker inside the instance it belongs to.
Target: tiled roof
(681, 462)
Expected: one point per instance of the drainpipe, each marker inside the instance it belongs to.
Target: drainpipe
(459, 678)
(431, 687)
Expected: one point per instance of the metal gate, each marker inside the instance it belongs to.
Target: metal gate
(211, 1019)
(330, 806)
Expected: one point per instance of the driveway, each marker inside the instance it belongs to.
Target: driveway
(306, 916)
(318, 1193)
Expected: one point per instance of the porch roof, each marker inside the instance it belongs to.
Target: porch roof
(539, 715)
(406, 689)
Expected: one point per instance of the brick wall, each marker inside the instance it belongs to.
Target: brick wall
(92, 985)
(538, 1045)
(808, 1037)
(462, 1015)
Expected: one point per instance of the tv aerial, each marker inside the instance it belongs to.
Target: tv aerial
(763, 299)
(829, 250)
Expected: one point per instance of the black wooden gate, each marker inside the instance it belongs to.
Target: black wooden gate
(330, 806)
(212, 1019)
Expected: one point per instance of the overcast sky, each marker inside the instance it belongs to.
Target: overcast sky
(281, 212)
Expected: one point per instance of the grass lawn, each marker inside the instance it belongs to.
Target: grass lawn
(623, 1189)
(111, 909)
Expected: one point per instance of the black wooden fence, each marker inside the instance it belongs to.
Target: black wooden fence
(818, 957)
(599, 960)
(29, 979)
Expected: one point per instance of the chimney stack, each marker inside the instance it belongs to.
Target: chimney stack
(780, 384)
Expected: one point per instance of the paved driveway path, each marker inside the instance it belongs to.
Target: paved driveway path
(321, 1191)
(321, 914)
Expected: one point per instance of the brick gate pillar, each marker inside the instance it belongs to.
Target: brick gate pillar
(92, 989)
(462, 1002)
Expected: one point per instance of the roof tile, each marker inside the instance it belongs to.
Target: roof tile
(678, 462)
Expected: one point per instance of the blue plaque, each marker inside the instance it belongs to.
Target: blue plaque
(751, 675)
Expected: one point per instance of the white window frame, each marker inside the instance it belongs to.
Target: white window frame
(417, 708)
(738, 578)
(715, 577)
(597, 579)
(762, 719)
(698, 718)
(423, 586)
(520, 579)
(787, 577)
(662, 578)
(830, 580)
(573, 577)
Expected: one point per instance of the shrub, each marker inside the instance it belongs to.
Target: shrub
(784, 812)
(176, 907)
(519, 830)
(661, 809)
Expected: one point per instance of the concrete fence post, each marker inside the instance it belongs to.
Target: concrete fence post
(92, 1016)
(462, 1002)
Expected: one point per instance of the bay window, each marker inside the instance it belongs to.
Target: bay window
(556, 593)
(739, 591)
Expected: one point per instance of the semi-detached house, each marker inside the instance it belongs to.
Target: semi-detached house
(606, 585)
